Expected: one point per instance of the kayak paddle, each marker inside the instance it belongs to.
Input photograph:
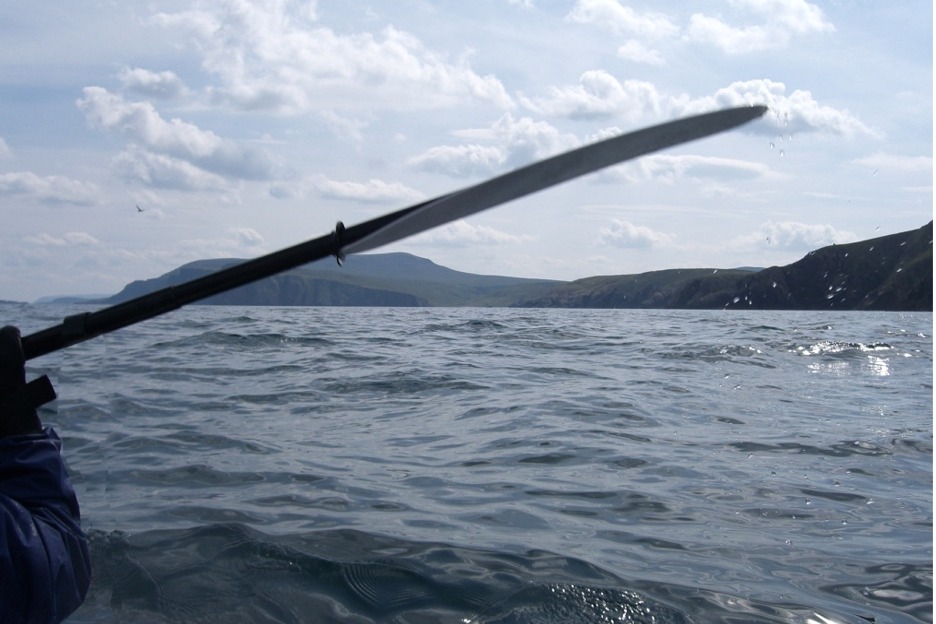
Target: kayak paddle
(392, 227)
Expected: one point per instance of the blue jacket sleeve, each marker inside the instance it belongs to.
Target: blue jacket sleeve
(45, 567)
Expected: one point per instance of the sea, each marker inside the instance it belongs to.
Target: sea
(468, 465)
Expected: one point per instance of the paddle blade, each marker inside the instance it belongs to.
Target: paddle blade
(555, 170)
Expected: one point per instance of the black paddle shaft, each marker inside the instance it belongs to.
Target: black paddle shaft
(80, 327)
(394, 226)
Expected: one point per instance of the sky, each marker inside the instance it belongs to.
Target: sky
(240, 127)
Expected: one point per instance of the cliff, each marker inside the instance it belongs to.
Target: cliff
(892, 272)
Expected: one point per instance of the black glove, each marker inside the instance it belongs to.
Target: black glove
(19, 400)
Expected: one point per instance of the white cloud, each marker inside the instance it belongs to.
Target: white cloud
(345, 127)
(80, 238)
(174, 138)
(622, 19)
(794, 113)
(46, 189)
(600, 95)
(626, 234)
(897, 162)
(793, 236)
(637, 52)
(372, 191)
(162, 171)
(670, 168)
(248, 237)
(236, 242)
(70, 239)
(461, 232)
(271, 55)
(162, 85)
(310, 10)
(516, 142)
(526, 140)
(5, 151)
(462, 161)
(780, 21)
(201, 24)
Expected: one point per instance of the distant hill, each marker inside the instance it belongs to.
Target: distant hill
(888, 273)
(392, 279)
(67, 299)
(892, 272)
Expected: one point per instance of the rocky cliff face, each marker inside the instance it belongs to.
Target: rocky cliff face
(888, 273)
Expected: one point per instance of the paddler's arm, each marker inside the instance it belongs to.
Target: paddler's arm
(45, 567)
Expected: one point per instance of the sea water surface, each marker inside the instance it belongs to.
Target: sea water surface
(501, 465)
